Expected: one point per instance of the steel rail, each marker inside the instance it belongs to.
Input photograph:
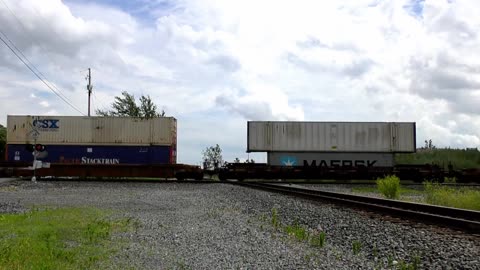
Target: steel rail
(466, 220)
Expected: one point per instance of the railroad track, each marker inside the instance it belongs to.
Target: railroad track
(466, 220)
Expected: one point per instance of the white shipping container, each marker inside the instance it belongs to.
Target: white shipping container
(78, 130)
(375, 137)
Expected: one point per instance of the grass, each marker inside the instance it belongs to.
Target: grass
(403, 191)
(413, 265)
(464, 198)
(356, 247)
(459, 158)
(389, 186)
(275, 220)
(297, 231)
(318, 239)
(65, 238)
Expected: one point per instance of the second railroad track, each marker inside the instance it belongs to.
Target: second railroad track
(466, 220)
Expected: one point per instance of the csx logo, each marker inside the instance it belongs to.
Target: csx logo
(46, 123)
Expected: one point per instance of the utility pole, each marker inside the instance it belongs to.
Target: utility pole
(89, 89)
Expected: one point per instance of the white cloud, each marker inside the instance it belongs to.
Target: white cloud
(232, 61)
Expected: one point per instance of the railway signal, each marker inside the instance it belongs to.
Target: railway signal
(39, 147)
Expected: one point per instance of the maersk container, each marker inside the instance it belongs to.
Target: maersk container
(96, 154)
(79, 130)
(326, 159)
(372, 137)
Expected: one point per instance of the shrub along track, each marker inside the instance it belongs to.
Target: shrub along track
(467, 220)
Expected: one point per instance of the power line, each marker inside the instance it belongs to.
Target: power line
(33, 66)
(38, 76)
(25, 29)
(25, 57)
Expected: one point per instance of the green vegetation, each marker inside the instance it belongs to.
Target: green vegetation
(126, 106)
(453, 197)
(459, 158)
(389, 186)
(437, 194)
(65, 238)
(275, 220)
(318, 240)
(403, 191)
(356, 247)
(297, 231)
(414, 265)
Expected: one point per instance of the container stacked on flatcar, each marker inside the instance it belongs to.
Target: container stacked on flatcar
(331, 144)
(324, 149)
(93, 140)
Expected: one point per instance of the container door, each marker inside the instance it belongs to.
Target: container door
(333, 137)
(393, 137)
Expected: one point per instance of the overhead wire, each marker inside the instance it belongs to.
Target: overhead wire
(32, 67)
(38, 76)
(23, 26)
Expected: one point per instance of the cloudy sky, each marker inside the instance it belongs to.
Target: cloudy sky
(214, 65)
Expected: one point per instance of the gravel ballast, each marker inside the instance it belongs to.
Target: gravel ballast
(221, 226)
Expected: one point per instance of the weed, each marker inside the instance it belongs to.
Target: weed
(390, 260)
(356, 247)
(318, 240)
(402, 265)
(275, 219)
(389, 186)
(297, 231)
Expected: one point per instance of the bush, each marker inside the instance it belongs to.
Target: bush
(389, 186)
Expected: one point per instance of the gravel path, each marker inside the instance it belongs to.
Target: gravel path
(220, 226)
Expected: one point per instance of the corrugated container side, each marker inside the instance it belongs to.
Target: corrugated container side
(330, 159)
(331, 137)
(75, 130)
(94, 154)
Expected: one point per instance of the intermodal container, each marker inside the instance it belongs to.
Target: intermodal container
(95, 154)
(326, 159)
(367, 137)
(79, 130)
(98, 140)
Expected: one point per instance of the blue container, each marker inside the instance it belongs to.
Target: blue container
(95, 154)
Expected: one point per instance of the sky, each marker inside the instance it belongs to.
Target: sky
(214, 65)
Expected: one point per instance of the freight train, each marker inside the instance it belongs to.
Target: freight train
(96, 147)
(132, 147)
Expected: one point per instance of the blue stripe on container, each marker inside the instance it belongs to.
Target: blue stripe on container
(94, 154)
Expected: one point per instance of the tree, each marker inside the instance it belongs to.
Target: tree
(429, 145)
(125, 105)
(3, 141)
(212, 157)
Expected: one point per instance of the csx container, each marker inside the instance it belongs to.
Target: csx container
(373, 137)
(99, 140)
(328, 159)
